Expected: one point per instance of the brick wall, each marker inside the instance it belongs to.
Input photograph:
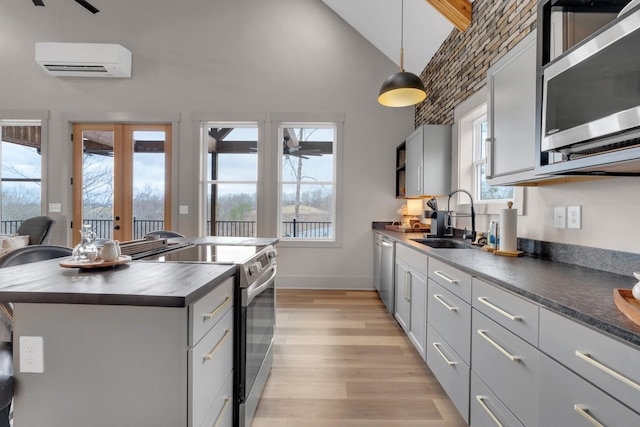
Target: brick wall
(459, 67)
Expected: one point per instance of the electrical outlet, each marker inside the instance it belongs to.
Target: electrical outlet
(574, 217)
(560, 217)
(31, 357)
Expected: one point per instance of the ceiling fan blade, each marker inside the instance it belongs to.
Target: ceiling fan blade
(86, 5)
(38, 3)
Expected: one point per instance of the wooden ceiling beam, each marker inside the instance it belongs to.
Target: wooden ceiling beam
(456, 11)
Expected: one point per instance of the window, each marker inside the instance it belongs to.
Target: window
(483, 191)
(307, 181)
(21, 175)
(471, 129)
(232, 178)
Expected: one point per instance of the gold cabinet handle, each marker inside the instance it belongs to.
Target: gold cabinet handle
(438, 298)
(480, 400)
(583, 411)
(227, 400)
(607, 370)
(511, 357)
(217, 310)
(437, 345)
(510, 316)
(209, 355)
(443, 276)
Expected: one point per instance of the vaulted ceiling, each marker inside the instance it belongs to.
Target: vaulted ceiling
(425, 26)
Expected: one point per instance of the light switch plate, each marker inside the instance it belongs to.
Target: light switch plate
(574, 217)
(560, 217)
(55, 207)
(184, 209)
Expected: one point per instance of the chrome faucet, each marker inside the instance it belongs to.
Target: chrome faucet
(473, 214)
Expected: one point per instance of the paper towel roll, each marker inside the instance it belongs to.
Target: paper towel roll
(509, 230)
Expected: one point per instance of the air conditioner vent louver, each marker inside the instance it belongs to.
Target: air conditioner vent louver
(84, 59)
(91, 68)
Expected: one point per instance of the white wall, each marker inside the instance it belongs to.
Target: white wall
(199, 57)
(610, 213)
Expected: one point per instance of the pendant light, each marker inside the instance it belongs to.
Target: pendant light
(402, 89)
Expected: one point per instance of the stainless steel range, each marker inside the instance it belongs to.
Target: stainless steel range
(254, 315)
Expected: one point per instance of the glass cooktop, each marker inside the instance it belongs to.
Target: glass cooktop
(207, 253)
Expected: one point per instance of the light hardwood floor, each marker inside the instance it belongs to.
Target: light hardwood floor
(341, 360)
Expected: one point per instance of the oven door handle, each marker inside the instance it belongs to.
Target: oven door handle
(253, 292)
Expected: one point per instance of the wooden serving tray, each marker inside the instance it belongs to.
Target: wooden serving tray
(99, 263)
(627, 304)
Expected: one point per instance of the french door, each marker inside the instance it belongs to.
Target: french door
(121, 179)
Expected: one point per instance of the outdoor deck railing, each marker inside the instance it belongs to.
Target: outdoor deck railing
(104, 228)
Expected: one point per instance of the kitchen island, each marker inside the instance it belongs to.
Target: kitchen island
(121, 345)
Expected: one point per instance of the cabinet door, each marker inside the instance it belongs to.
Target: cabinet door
(403, 294)
(418, 312)
(414, 163)
(450, 370)
(569, 401)
(511, 114)
(507, 365)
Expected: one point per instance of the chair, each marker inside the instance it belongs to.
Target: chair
(37, 228)
(20, 256)
(164, 234)
(34, 253)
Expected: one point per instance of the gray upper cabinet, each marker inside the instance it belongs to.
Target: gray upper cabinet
(511, 110)
(428, 161)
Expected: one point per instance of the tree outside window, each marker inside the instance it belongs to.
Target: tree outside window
(307, 181)
(20, 184)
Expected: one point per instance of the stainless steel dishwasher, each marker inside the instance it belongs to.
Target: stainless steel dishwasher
(384, 267)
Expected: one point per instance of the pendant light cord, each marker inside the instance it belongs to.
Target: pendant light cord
(402, 36)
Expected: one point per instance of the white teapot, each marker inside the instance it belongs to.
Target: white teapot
(636, 288)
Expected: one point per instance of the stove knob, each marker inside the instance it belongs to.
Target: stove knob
(254, 268)
(272, 253)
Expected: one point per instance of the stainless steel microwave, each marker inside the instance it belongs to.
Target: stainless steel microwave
(591, 95)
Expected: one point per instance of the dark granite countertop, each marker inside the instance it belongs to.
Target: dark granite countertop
(135, 283)
(581, 293)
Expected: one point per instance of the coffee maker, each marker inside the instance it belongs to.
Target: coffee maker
(438, 222)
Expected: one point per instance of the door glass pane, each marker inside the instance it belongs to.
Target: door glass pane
(148, 182)
(20, 185)
(232, 175)
(97, 182)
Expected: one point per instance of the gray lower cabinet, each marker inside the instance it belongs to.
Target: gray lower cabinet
(609, 364)
(450, 370)
(487, 410)
(569, 401)
(508, 365)
(411, 295)
(451, 317)
(449, 332)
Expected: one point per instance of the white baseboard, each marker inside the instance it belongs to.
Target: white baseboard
(325, 282)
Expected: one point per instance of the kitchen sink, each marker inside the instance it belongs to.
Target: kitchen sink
(444, 243)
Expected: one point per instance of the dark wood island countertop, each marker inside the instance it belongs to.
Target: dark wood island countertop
(135, 283)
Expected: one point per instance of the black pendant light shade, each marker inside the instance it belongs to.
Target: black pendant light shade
(401, 90)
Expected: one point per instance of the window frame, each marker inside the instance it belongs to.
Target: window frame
(466, 115)
(32, 116)
(207, 181)
(336, 120)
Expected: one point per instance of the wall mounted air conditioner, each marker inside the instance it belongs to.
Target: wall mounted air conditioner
(84, 59)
